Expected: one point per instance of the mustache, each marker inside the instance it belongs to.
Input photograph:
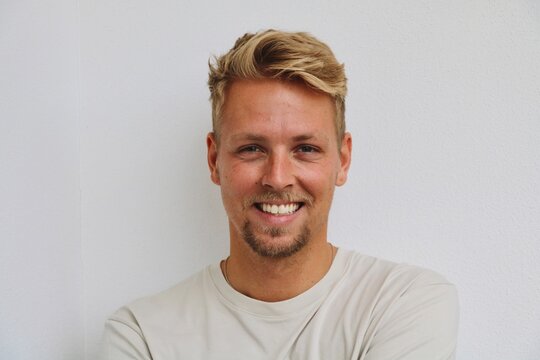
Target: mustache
(279, 196)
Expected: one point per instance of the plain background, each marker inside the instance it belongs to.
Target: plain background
(104, 188)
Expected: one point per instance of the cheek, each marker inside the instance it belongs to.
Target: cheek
(319, 183)
(319, 178)
(239, 178)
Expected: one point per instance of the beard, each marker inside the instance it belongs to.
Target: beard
(272, 250)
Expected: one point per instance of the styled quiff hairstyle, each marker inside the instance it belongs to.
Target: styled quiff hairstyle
(288, 56)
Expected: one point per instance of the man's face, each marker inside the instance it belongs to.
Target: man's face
(277, 162)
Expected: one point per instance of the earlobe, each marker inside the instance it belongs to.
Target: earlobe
(345, 159)
(212, 157)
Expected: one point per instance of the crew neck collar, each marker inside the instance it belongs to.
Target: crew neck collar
(297, 304)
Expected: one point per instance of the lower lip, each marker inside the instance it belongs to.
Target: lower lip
(278, 220)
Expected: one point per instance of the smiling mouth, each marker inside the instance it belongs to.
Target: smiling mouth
(281, 209)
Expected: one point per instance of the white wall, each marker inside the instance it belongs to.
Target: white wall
(444, 107)
(41, 308)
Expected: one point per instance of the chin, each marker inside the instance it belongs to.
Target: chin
(274, 242)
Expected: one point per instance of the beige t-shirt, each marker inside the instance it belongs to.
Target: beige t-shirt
(363, 308)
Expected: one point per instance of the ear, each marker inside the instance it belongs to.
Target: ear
(212, 156)
(345, 159)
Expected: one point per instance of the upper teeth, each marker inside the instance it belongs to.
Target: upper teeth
(280, 209)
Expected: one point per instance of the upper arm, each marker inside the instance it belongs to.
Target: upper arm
(421, 324)
(123, 340)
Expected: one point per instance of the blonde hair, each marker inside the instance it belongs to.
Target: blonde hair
(272, 54)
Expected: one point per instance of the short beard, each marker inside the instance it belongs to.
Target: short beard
(271, 250)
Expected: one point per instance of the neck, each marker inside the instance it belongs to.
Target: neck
(269, 279)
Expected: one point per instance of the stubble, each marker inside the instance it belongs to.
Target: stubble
(274, 250)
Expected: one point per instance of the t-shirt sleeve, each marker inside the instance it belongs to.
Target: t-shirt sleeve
(123, 339)
(421, 324)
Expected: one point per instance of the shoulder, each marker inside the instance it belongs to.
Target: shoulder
(413, 311)
(386, 289)
(154, 321)
(165, 307)
(384, 274)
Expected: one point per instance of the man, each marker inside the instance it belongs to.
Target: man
(277, 150)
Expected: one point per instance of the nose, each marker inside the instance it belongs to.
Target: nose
(278, 172)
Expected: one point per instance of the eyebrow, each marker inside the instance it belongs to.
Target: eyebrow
(257, 137)
(248, 136)
(305, 137)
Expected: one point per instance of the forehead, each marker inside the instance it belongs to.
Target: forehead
(273, 107)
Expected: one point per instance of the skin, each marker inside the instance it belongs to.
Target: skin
(277, 145)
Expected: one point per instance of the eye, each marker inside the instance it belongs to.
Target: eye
(249, 149)
(306, 152)
(250, 152)
(307, 149)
